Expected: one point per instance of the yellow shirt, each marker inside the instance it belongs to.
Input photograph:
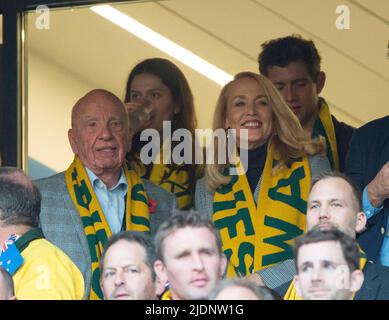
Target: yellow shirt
(47, 273)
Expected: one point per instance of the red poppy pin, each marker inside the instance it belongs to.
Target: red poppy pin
(152, 205)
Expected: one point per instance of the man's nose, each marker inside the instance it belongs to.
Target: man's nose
(289, 93)
(197, 262)
(106, 132)
(119, 278)
(316, 274)
(324, 212)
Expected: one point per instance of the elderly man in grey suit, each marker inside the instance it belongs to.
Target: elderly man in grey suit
(98, 195)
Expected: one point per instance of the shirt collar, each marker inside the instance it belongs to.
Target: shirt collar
(96, 182)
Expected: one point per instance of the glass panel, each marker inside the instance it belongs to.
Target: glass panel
(71, 51)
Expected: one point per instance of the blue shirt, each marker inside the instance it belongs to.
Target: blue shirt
(370, 211)
(112, 201)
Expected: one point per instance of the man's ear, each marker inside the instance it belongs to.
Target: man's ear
(160, 285)
(356, 280)
(160, 270)
(72, 142)
(223, 265)
(361, 222)
(297, 285)
(320, 81)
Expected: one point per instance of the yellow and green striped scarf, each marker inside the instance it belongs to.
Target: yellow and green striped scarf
(324, 126)
(173, 179)
(291, 293)
(167, 295)
(96, 228)
(254, 236)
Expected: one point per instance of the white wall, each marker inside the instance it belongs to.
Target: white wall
(52, 92)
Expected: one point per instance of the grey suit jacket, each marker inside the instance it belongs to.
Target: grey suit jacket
(61, 222)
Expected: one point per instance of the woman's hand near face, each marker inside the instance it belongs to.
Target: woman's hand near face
(132, 106)
(138, 116)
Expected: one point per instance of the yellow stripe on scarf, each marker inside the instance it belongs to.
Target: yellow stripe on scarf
(291, 293)
(96, 228)
(254, 236)
(167, 295)
(325, 127)
(174, 180)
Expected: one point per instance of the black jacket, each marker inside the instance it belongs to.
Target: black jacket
(343, 134)
(369, 151)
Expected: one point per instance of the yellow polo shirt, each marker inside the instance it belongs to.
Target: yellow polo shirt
(47, 273)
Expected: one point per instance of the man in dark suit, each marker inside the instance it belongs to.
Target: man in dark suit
(334, 201)
(368, 165)
(98, 195)
(293, 65)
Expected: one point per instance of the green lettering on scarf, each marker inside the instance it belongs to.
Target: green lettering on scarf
(93, 239)
(140, 221)
(294, 200)
(87, 221)
(96, 283)
(228, 187)
(92, 247)
(231, 222)
(81, 190)
(228, 254)
(136, 193)
(175, 187)
(245, 248)
(290, 232)
(225, 205)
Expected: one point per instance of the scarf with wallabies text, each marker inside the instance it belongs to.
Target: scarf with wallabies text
(324, 126)
(258, 236)
(291, 293)
(173, 179)
(96, 228)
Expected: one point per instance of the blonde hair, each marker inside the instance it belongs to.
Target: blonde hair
(288, 136)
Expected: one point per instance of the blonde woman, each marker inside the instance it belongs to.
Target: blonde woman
(260, 211)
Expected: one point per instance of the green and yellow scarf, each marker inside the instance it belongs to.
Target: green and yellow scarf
(291, 293)
(258, 236)
(324, 126)
(167, 295)
(96, 228)
(174, 179)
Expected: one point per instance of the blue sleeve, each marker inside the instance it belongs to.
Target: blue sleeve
(368, 208)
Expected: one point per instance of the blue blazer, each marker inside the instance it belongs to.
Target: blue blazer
(368, 152)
